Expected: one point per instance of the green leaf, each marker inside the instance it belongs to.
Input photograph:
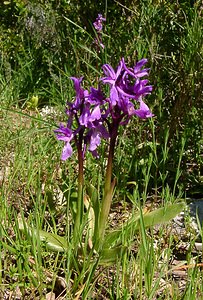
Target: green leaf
(93, 194)
(110, 256)
(162, 215)
(53, 241)
(95, 204)
(130, 228)
(90, 219)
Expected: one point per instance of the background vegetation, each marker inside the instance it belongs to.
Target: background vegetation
(42, 44)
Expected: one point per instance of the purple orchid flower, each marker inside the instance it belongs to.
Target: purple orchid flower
(94, 136)
(80, 92)
(65, 134)
(87, 117)
(126, 106)
(121, 81)
(134, 91)
(95, 140)
(143, 112)
(113, 80)
(92, 105)
(96, 96)
(136, 72)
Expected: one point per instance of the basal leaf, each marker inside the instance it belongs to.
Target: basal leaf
(53, 241)
(162, 215)
(129, 229)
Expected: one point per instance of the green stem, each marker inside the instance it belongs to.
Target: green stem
(79, 212)
(108, 189)
(109, 167)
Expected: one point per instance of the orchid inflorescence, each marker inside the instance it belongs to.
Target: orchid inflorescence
(98, 25)
(93, 116)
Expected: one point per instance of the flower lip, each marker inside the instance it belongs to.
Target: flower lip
(65, 134)
(67, 151)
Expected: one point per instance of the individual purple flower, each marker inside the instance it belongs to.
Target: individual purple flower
(65, 134)
(137, 72)
(126, 106)
(112, 78)
(85, 120)
(92, 106)
(94, 141)
(143, 112)
(94, 136)
(134, 91)
(88, 117)
(79, 93)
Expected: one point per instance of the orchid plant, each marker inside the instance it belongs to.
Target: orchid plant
(93, 116)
